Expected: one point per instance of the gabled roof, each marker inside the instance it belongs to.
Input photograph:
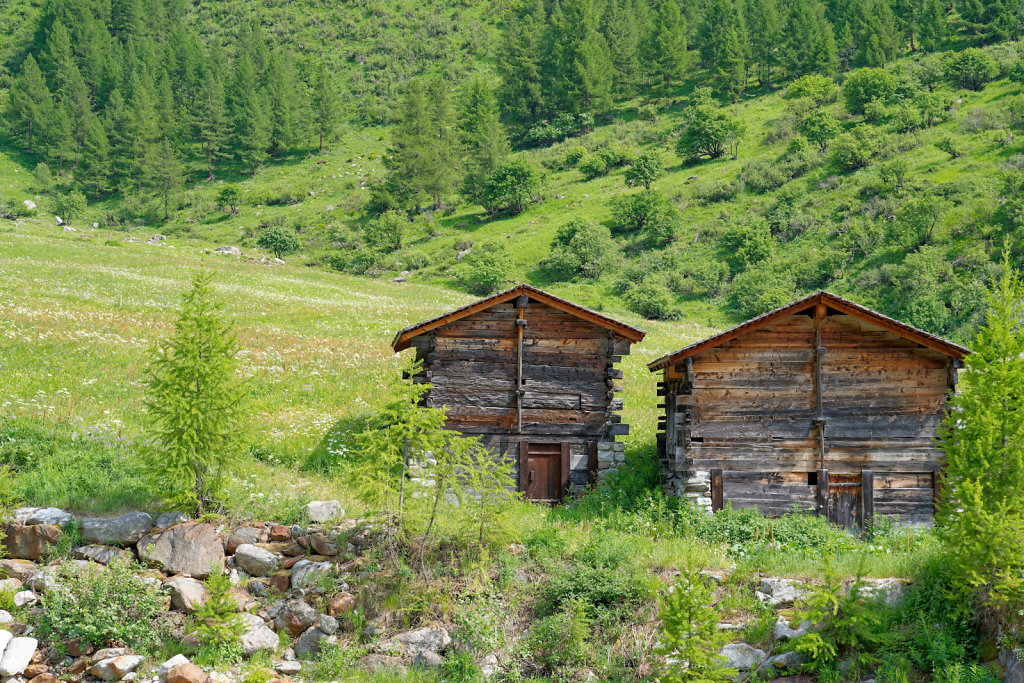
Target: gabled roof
(403, 338)
(834, 302)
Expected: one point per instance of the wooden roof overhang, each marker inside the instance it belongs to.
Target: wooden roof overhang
(404, 337)
(833, 302)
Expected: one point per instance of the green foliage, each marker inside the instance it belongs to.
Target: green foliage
(69, 206)
(894, 172)
(707, 132)
(746, 244)
(971, 68)
(582, 248)
(647, 168)
(42, 179)
(593, 166)
(486, 269)
(820, 127)
(949, 146)
(217, 624)
(649, 214)
(560, 641)
(278, 240)
(864, 86)
(980, 510)
(227, 198)
(103, 607)
(482, 135)
(512, 186)
(651, 298)
(387, 231)
(758, 290)
(855, 149)
(821, 89)
(690, 639)
(1013, 191)
(195, 404)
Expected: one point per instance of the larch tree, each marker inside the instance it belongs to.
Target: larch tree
(580, 70)
(669, 56)
(94, 170)
(29, 105)
(520, 64)
(623, 37)
(483, 137)
(324, 102)
(210, 122)
(164, 172)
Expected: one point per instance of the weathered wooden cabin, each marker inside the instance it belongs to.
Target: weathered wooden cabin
(823, 405)
(534, 377)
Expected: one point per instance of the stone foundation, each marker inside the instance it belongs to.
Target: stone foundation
(694, 485)
(611, 455)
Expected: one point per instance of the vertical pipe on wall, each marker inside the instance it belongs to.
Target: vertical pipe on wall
(521, 304)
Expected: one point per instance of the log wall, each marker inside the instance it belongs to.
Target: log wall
(750, 407)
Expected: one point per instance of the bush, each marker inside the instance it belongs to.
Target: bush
(746, 244)
(894, 172)
(758, 290)
(971, 68)
(41, 177)
(218, 626)
(868, 85)
(593, 166)
(645, 170)
(561, 640)
(513, 185)
(486, 269)
(819, 127)
(707, 132)
(821, 89)
(690, 639)
(278, 240)
(563, 126)
(103, 607)
(649, 213)
(387, 231)
(69, 206)
(949, 146)
(572, 156)
(227, 198)
(582, 248)
(855, 149)
(651, 299)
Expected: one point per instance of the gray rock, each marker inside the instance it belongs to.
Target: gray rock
(295, 616)
(187, 594)
(242, 536)
(321, 511)
(256, 588)
(169, 519)
(889, 591)
(25, 599)
(779, 592)
(427, 659)
(34, 516)
(122, 530)
(742, 656)
(115, 668)
(307, 572)
(787, 661)
(42, 581)
(228, 250)
(783, 631)
(489, 665)
(169, 665)
(108, 653)
(192, 549)
(58, 220)
(287, 668)
(257, 636)
(17, 655)
(255, 560)
(433, 638)
(5, 618)
(29, 204)
(5, 638)
(328, 624)
(22, 570)
(309, 643)
(100, 553)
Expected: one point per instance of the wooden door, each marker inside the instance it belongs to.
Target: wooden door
(845, 501)
(544, 471)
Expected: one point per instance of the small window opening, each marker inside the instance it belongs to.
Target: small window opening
(812, 478)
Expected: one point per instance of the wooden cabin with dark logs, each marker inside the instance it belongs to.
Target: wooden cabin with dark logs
(822, 405)
(534, 377)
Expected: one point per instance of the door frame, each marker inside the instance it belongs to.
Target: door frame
(524, 460)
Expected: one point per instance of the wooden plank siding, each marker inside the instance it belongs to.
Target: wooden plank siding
(749, 408)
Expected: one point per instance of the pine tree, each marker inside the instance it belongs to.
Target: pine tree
(95, 169)
(252, 122)
(217, 620)
(690, 639)
(483, 137)
(325, 108)
(143, 129)
(623, 38)
(281, 103)
(126, 19)
(579, 70)
(58, 58)
(406, 152)
(810, 46)
(210, 122)
(765, 29)
(195, 402)
(670, 59)
(520, 64)
(730, 68)
(30, 104)
(443, 151)
(119, 136)
(932, 25)
(980, 516)
(163, 171)
(990, 20)
(60, 145)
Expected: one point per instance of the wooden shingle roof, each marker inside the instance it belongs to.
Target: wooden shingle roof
(404, 337)
(834, 302)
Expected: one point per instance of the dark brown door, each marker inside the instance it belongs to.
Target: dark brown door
(845, 501)
(544, 471)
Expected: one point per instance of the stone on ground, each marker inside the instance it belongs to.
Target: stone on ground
(742, 656)
(779, 592)
(33, 516)
(320, 511)
(243, 536)
(309, 643)
(29, 542)
(433, 638)
(115, 668)
(257, 636)
(255, 560)
(186, 673)
(169, 519)
(787, 661)
(287, 668)
(5, 618)
(340, 604)
(172, 663)
(25, 599)
(17, 655)
(295, 616)
(783, 631)
(121, 530)
(100, 553)
(186, 594)
(22, 570)
(184, 549)
(428, 659)
(307, 572)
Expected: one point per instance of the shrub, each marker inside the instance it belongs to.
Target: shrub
(855, 149)
(746, 244)
(763, 175)
(564, 126)
(41, 177)
(690, 639)
(645, 170)
(651, 299)
(278, 240)
(949, 146)
(821, 89)
(387, 230)
(593, 166)
(486, 269)
(573, 155)
(69, 206)
(103, 607)
(227, 198)
(894, 172)
(560, 640)
(707, 131)
(649, 212)
(971, 68)
(582, 247)
(217, 625)
(1013, 192)
(513, 185)
(758, 290)
(819, 126)
(867, 85)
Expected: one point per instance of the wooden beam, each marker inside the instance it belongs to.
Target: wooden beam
(524, 462)
(867, 496)
(717, 490)
(822, 506)
(563, 488)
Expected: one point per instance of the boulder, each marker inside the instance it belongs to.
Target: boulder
(742, 656)
(29, 542)
(287, 668)
(76, 647)
(17, 655)
(102, 554)
(108, 653)
(309, 643)
(25, 599)
(228, 250)
(295, 616)
(257, 636)
(42, 581)
(33, 670)
(33, 516)
(255, 560)
(779, 592)
(6, 617)
(192, 549)
(427, 659)
(186, 673)
(169, 519)
(376, 663)
(787, 661)
(321, 546)
(115, 668)
(307, 572)
(889, 591)
(327, 624)
(279, 532)
(29, 204)
(187, 594)
(783, 631)
(432, 638)
(166, 667)
(245, 535)
(5, 638)
(121, 530)
(46, 678)
(340, 604)
(22, 570)
(320, 511)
